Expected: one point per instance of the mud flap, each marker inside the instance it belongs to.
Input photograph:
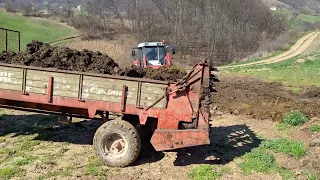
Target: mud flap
(163, 140)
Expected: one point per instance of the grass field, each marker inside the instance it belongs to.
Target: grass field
(34, 28)
(295, 73)
(298, 22)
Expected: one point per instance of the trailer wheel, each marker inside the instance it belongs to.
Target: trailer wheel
(117, 143)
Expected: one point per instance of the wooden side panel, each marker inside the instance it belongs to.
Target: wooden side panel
(102, 89)
(11, 78)
(66, 85)
(93, 88)
(150, 93)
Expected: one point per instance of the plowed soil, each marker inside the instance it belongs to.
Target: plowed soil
(262, 100)
(43, 55)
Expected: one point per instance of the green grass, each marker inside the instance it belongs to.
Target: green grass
(315, 128)
(25, 161)
(290, 72)
(204, 172)
(296, 149)
(295, 118)
(310, 176)
(95, 168)
(10, 172)
(34, 29)
(259, 161)
(309, 18)
(28, 145)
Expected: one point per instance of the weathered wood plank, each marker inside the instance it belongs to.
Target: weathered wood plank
(152, 85)
(44, 73)
(56, 86)
(36, 90)
(115, 89)
(70, 94)
(11, 74)
(151, 97)
(69, 81)
(11, 87)
(145, 103)
(108, 92)
(152, 91)
(10, 69)
(108, 83)
(56, 92)
(115, 99)
(7, 80)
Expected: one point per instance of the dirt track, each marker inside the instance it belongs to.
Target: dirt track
(297, 49)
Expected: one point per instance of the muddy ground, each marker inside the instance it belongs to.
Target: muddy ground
(263, 100)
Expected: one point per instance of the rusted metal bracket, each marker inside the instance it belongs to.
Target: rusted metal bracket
(139, 95)
(104, 117)
(50, 89)
(24, 82)
(92, 112)
(80, 88)
(64, 120)
(124, 98)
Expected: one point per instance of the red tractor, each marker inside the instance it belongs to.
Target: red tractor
(153, 55)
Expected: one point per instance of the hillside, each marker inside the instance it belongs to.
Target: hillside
(35, 28)
(306, 6)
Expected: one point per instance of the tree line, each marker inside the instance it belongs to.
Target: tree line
(222, 29)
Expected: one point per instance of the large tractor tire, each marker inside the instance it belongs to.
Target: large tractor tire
(117, 143)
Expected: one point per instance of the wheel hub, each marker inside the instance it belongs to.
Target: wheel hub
(114, 144)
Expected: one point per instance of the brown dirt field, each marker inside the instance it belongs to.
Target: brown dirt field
(262, 100)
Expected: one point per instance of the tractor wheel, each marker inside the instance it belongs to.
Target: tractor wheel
(117, 143)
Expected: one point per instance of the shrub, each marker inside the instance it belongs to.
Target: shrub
(295, 118)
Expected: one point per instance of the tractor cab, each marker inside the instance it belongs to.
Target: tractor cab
(152, 55)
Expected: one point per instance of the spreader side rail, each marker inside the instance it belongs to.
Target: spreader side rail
(76, 93)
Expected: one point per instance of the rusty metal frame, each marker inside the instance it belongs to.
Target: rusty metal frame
(6, 38)
(139, 95)
(50, 89)
(167, 136)
(80, 88)
(24, 81)
(124, 98)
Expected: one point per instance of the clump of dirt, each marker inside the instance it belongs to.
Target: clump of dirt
(171, 73)
(166, 73)
(262, 100)
(134, 71)
(39, 54)
(43, 55)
